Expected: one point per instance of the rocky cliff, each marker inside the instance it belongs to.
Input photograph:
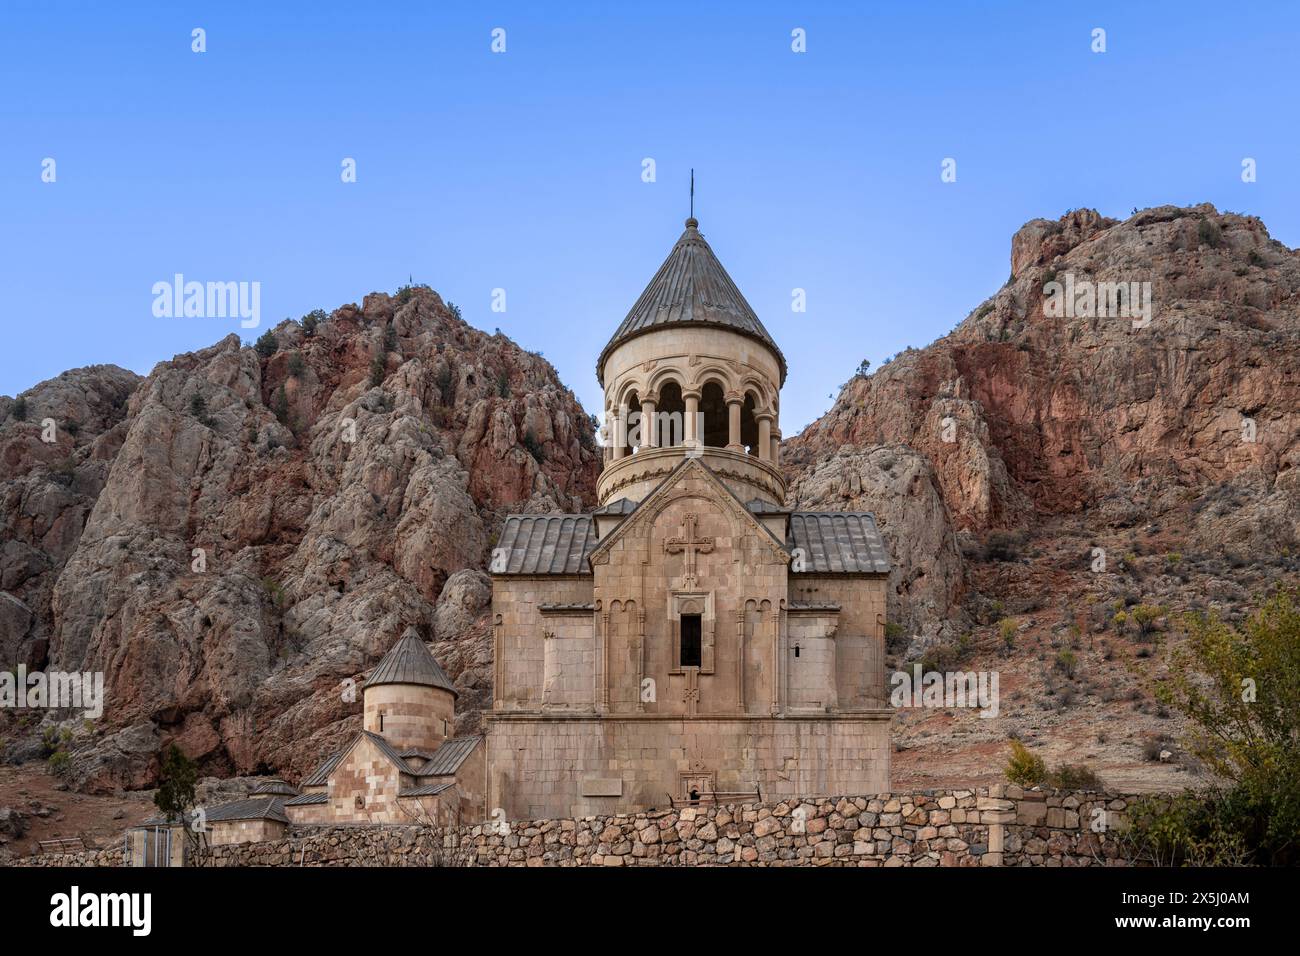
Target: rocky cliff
(233, 537)
(1019, 416)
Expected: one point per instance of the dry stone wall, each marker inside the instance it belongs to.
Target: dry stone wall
(994, 826)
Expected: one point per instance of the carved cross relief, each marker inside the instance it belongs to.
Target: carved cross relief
(691, 545)
(691, 695)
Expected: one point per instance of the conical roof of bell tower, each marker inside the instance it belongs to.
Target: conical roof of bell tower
(690, 289)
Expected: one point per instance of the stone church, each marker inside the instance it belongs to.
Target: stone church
(692, 639)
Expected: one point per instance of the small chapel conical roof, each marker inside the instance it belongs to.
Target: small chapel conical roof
(409, 662)
(690, 289)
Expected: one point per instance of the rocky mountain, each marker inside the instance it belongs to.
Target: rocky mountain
(1058, 486)
(235, 536)
(1189, 416)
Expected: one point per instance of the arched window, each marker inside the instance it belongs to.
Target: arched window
(749, 425)
(713, 406)
(631, 431)
(671, 415)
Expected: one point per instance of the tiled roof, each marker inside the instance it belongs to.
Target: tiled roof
(277, 787)
(838, 542)
(449, 756)
(388, 750)
(619, 506)
(544, 544)
(690, 289)
(256, 808)
(307, 799)
(760, 507)
(425, 790)
(421, 752)
(320, 776)
(409, 662)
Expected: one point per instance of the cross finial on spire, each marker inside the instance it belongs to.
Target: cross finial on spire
(692, 193)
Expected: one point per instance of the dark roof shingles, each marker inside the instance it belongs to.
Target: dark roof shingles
(838, 542)
(448, 758)
(544, 544)
(410, 662)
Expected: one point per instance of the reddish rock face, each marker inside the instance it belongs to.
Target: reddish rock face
(1017, 417)
(250, 532)
(228, 561)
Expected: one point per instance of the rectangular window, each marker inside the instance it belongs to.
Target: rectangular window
(690, 640)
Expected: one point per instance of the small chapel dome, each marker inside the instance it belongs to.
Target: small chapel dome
(409, 700)
(409, 662)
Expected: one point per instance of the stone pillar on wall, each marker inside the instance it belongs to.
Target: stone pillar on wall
(649, 427)
(764, 435)
(498, 663)
(734, 401)
(689, 427)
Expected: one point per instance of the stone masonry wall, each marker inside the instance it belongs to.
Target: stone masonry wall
(995, 826)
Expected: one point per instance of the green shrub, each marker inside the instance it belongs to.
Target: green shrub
(1209, 233)
(1067, 662)
(19, 409)
(1074, 777)
(1239, 687)
(280, 406)
(312, 319)
(267, 345)
(378, 369)
(534, 447)
(1025, 769)
(1003, 546)
(296, 365)
(1007, 629)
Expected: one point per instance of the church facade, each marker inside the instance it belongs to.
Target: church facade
(692, 639)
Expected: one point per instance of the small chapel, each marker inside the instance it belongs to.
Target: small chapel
(692, 639)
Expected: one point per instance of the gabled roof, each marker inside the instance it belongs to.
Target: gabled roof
(837, 542)
(544, 544)
(385, 748)
(425, 790)
(448, 758)
(275, 787)
(671, 479)
(690, 289)
(320, 776)
(307, 799)
(409, 662)
(253, 808)
(619, 506)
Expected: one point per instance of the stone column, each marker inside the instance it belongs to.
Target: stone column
(734, 401)
(764, 435)
(689, 433)
(776, 447)
(620, 431)
(649, 431)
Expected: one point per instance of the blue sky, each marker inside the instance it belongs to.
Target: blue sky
(522, 170)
